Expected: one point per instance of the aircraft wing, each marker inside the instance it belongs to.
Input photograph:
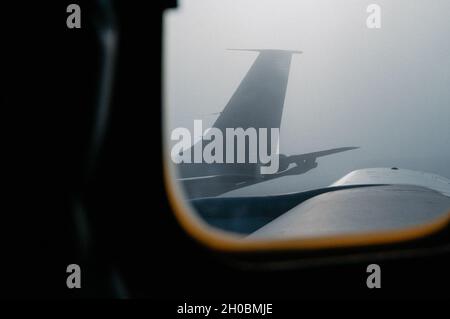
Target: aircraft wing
(374, 199)
(396, 199)
(358, 210)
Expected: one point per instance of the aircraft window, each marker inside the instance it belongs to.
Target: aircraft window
(308, 118)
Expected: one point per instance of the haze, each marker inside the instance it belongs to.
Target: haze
(385, 90)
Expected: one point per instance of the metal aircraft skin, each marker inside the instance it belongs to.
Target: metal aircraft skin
(365, 201)
(257, 103)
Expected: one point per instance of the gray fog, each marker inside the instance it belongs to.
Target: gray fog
(385, 90)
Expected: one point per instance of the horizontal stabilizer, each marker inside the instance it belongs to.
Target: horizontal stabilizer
(314, 155)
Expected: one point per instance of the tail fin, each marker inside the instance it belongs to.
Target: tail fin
(258, 101)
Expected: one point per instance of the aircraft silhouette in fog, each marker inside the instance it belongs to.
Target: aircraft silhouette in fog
(257, 103)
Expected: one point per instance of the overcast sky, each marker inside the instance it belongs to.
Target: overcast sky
(386, 90)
